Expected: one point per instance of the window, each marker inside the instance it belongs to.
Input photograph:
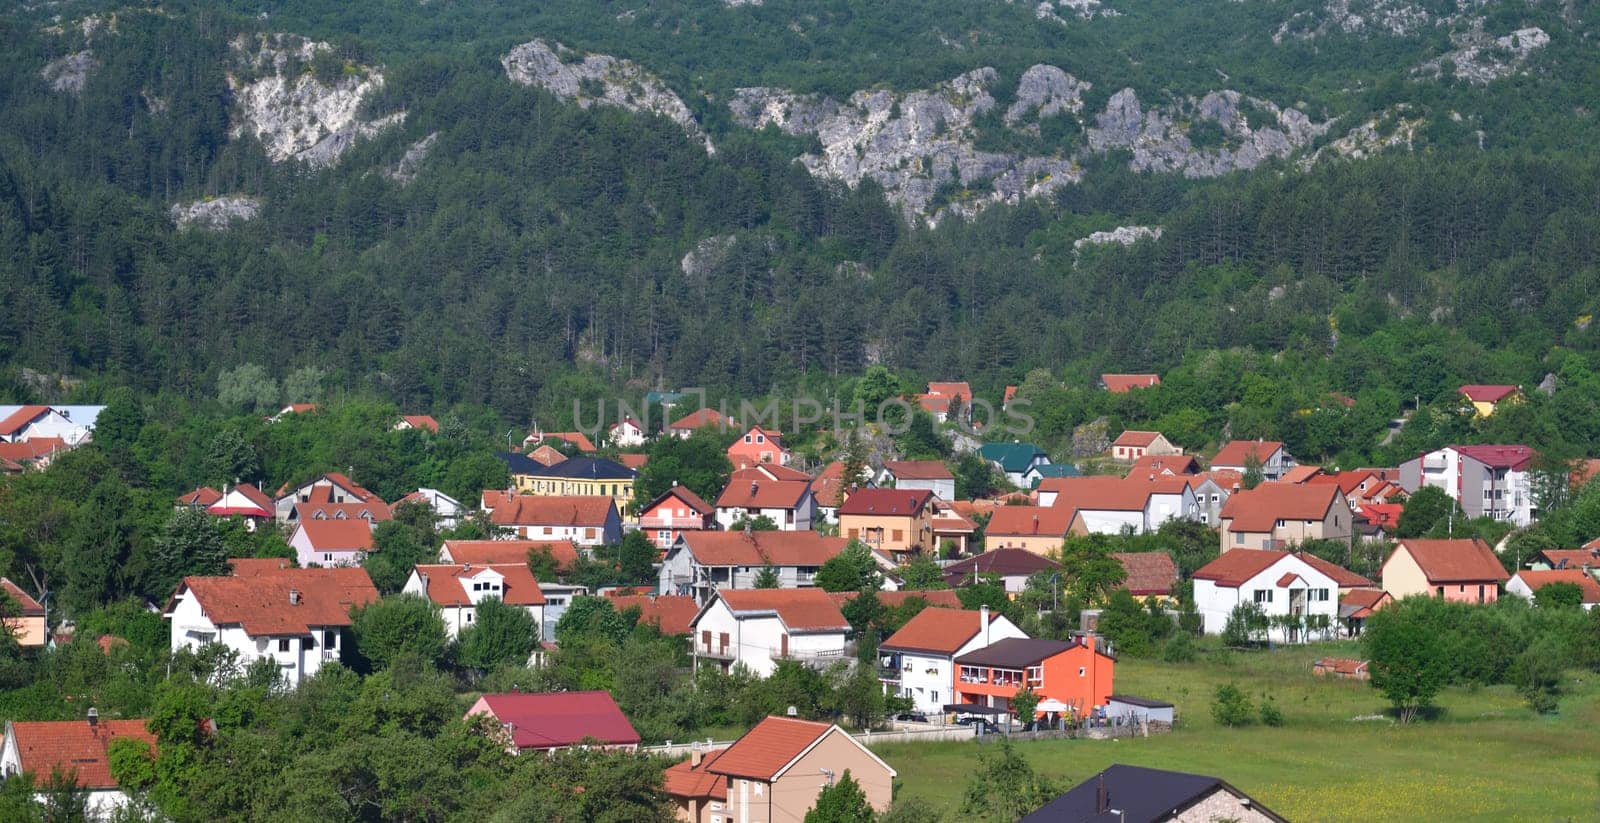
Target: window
(330, 638)
(469, 617)
(664, 534)
(1336, 520)
(1480, 594)
(1280, 522)
(1441, 591)
(1263, 595)
(1319, 595)
(548, 530)
(1082, 671)
(934, 696)
(1214, 499)
(761, 438)
(1205, 517)
(327, 557)
(588, 534)
(283, 644)
(1238, 538)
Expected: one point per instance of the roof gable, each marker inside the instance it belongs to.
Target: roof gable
(1454, 561)
(764, 494)
(549, 720)
(281, 602)
(937, 630)
(335, 535)
(1121, 383)
(447, 585)
(801, 610)
(1237, 452)
(886, 502)
(1259, 509)
(73, 745)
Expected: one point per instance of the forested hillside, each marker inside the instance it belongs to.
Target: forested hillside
(1421, 209)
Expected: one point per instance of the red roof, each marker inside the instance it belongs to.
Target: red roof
(1454, 561)
(670, 613)
(15, 421)
(1259, 509)
(779, 548)
(1362, 602)
(943, 598)
(1120, 383)
(1151, 466)
(501, 552)
(828, 487)
(249, 566)
(552, 720)
(1386, 515)
(1136, 439)
(74, 746)
(1301, 474)
(1572, 558)
(1487, 394)
(202, 497)
(695, 503)
(763, 494)
(32, 449)
(1003, 562)
(421, 421)
(337, 535)
(1346, 666)
(700, 418)
(553, 510)
(1030, 521)
(546, 455)
(763, 752)
(683, 780)
(1148, 572)
(1236, 452)
(771, 471)
(886, 502)
(633, 461)
(918, 469)
(1233, 568)
(262, 603)
(801, 610)
(1513, 457)
(1536, 580)
(1009, 395)
(937, 630)
(578, 439)
(447, 585)
(30, 607)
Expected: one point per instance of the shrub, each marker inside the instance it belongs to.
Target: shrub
(1179, 649)
(1230, 707)
(1270, 714)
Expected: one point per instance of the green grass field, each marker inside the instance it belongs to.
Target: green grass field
(1486, 757)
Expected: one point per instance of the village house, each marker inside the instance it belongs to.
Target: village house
(756, 628)
(1114, 505)
(458, 588)
(339, 489)
(1038, 529)
(1150, 575)
(774, 773)
(670, 614)
(1034, 477)
(788, 503)
(1237, 455)
(758, 446)
(577, 440)
(1012, 566)
(699, 419)
(952, 531)
(1487, 481)
(331, 542)
(1134, 794)
(496, 552)
(447, 511)
(417, 422)
(243, 500)
(1465, 571)
(1280, 515)
(1211, 492)
(1362, 487)
(895, 521)
(72, 425)
(918, 475)
(1124, 383)
(1341, 668)
(674, 512)
(1528, 582)
(1132, 445)
(586, 521)
(1153, 466)
(27, 626)
(291, 409)
(573, 477)
(918, 661)
(700, 563)
(551, 721)
(1279, 583)
(1486, 400)
(80, 748)
(320, 505)
(35, 453)
(1587, 559)
(295, 617)
(1071, 677)
(1014, 459)
(828, 490)
(941, 396)
(1358, 604)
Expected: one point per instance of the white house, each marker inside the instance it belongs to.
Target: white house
(919, 475)
(73, 424)
(331, 542)
(1527, 582)
(339, 489)
(77, 746)
(626, 434)
(756, 628)
(919, 659)
(702, 562)
(587, 520)
(1236, 455)
(457, 589)
(295, 617)
(447, 510)
(1113, 505)
(1279, 582)
(789, 503)
(1488, 481)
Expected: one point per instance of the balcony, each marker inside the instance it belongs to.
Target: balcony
(715, 652)
(816, 659)
(663, 522)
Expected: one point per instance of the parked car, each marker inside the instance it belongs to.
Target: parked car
(915, 717)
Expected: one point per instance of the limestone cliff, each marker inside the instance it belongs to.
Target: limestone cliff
(295, 114)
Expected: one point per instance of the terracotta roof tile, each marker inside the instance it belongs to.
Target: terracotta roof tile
(32, 449)
(1120, 383)
(1512, 457)
(1004, 562)
(695, 502)
(421, 421)
(447, 585)
(553, 510)
(500, 552)
(550, 720)
(1344, 577)
(1536, 580)
(1136, 439)
(1572, 558)
(250, 566)
(1301, 474)
(764, 750)
(918, 469)
(937, 630)
(578, 439)
(1236, 452)
(1158, 465)
(633, 461)
(1233, 568)
(203, 496)
(941, 598)
(1259, 509)
(801, 610)
(20, 418)
(670, 613)
(682, 780)
(700, 418)
(75, 746)
(1148, 572)
(261, 603)
(763, 494)
(30, 607)
(1454, 561)
(1487, 394)
(545, 455)
(337, 535)
(886, 502)
(1030, 521)
(771, 471)
(712, 548)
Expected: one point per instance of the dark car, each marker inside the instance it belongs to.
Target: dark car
(916, 717)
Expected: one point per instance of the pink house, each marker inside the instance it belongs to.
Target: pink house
(758, 446)
(1466, 571)
(676, 511)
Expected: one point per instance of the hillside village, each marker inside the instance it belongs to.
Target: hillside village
(832, 602)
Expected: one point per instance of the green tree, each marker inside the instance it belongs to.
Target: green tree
(922, 574)
(767, 578)
(1004, 787)
(1230, 706)
(499, 635)
(698, 462)
(853, 569)
(864, 611)
(1536, 674)
(636, 558)
(759, 523)
(975, 476)
(1425, 509)
(230, 458)
(1025, 704)
(1559, 595)
(1087, 568)
(859, 696)
(592, 617)
(989, 591)
(190, 544)
(304, 385)
(247, 387)
(398, 626)
(398, 546)
(841, 802)
(1408, 656)
(1252, 472)
(921, 440)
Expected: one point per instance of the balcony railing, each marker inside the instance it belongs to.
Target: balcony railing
(718, 652)
(672, 523)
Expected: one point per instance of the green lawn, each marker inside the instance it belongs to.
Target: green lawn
(1485, 758)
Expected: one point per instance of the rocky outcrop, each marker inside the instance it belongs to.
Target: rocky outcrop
(1045, 91)
(1057, 11)
(1160, 137)
(587, 79)
(1373, 137)
(1121, 235)
(215, 213)
(1365, 18)
(68, 74)
(1480, 58)
(296, 115)
(917, 145)
(411, 162)
(706, 255)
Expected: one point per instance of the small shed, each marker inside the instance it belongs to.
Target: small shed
(1141, 709)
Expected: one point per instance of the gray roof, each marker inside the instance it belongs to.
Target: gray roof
(1138, 795)
(579, 468)
(1014, 652)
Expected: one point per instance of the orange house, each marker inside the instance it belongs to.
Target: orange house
(758, 446)
(1071, 678)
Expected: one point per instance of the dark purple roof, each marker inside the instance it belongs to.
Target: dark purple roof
(1004, 562)
(548, 720)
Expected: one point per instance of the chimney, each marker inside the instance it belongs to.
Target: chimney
(294, 597)
(792, 712)
(94, 718)
(694, 756)
(983, 622)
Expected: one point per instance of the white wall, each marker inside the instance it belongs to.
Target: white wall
(1216, 603)
(754, 641)
(930, 690)
(303, 658)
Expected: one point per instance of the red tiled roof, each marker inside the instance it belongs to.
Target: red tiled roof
(918, 469)
(1487, 394)
(1584, 470)
(1158, 465)
(700, 418)
(633, 461)
(1009, 395)
(1347, 481)
(1136, 439)
(1362, 602)
(1347, 666)
(828, 488)
(9, 465)
(447, 585)
(770, 471)
(30, 607)
(1536, 580)
(343, 482)
(1301, 474)
(553, 510)
(546, 455)
(950, 389)
(578, 439)
(1030, 521)
(1386, 515)
(736, 548)
(1511, 457)
(1120, 383)
(683, 780)
(261, 603)
(1233, 568)
(337, 535)
(1572, 558)
(801, 610)
(203, 497)
(1236, 452)
(1227, 479)
(1148, 572)
(763, 494)
(1259, 509)
(695, 503)
(1454, 561)
(421, 421)
(32, 449)
(15, 421)
(250, 566)
(501, 552)
(943, 598)
(1108, 492)
(764, 750)
(886, 502)
(937, 630)
(74, 746)
(670, 613)
(550, 720)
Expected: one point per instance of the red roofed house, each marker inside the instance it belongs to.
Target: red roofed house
(1153, 466)
(577, 439)
(1038, 529)
(676, 511)
(1587, 558)
(1465, 571)
(1278, 515)
(669, 613)
(34, 422)
(1488, 481)
(1124, 383)
(447, 510)
(1151, 575)
(625, 433)
(331, 542)
(931, 475)
(546, 455)
(697, 794)
(789, 503)
(78, 747)
(497, 552)
(1107, 504)
(292, 408)
(1356, 605)
(295, 617)
(1132, 445)
(758, 446)
(696, 420)
(548, 721)
(1072, 677)
(244, 500)
(420, 422)
(1529, 581)
(458, 588)
(896, 521)
(1280, 583)
(28, 625)
(1362, 487)
(828, 490)
(1235, 455)
(701, 563)
(940, 395)
(332, 487)
(585, 520)
(756, 628)
(919, 659)
(1344, 668)
(35, 452)
(1486, 399)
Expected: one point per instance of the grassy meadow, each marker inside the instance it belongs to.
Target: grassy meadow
(1337, 757)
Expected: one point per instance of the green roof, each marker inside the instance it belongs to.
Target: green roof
(1049, 470)
(1012, 457)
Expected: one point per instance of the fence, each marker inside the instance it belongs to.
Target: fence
(934, 734)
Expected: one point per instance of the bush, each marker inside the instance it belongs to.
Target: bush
(1179, 649)
(1270, 715)
(1230, 707)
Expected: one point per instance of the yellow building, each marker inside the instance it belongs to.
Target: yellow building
(896, 521)
(1486, 399)
(573, 477)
